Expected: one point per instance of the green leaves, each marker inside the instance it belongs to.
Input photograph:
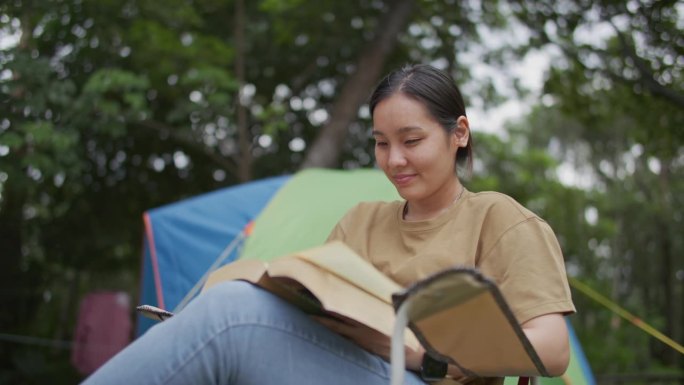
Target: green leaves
(209, 79)
(114, 80)
(101, 97)
(276, 6)
(41, 147)
(12, 140)
(615, 117)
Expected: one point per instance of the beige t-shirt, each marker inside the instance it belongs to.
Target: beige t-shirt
(488, 230)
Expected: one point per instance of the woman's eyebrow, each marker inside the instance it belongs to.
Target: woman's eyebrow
(402, 130)
(406, 129)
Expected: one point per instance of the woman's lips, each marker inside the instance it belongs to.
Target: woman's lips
(403, 179)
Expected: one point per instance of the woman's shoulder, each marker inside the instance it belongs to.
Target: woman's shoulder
(499, 205)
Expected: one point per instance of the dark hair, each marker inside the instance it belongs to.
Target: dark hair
(438, 93)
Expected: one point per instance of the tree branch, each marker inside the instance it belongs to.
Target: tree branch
(647, 77)
(190, 143)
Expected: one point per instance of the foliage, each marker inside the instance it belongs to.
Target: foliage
(613, 109)
(109, 108)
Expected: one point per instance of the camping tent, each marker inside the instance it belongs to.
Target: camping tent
(259, 220)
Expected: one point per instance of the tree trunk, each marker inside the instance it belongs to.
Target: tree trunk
(667, 265)
(67, 308)
(15, 292)
(326, 149)
(244, 161)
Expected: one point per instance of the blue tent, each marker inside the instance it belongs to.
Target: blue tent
(183, 239)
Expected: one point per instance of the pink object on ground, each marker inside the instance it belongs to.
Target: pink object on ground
(103, 328)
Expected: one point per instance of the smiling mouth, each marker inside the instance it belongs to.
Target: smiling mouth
(403, 179)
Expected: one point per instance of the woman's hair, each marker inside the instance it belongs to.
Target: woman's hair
(436, 90)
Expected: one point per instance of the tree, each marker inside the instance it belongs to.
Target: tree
(112, 107)
(613, 109)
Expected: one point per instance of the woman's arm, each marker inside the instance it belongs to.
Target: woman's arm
(547, 333)
(549, 336)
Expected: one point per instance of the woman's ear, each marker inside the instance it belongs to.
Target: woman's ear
(461, 133)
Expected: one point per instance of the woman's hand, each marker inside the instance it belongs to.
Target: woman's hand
(370, 340)
(377, 343)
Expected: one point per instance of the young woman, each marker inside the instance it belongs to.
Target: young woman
(236, 333)
(421, 133)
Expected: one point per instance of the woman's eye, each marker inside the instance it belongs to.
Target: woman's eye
(412, 142)
(380, 144)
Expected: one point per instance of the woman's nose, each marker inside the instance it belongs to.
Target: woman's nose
(396, 158)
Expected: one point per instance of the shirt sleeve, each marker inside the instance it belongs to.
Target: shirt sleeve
(527, 264)
(337, 233)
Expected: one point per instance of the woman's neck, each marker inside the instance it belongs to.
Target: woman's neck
(435, 204)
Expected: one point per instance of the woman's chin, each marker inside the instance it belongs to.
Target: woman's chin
(407, 194)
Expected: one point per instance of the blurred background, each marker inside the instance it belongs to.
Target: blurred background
(111, 107)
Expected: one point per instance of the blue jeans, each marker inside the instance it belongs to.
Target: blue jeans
(237, 333)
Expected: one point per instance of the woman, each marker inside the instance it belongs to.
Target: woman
(236, 333)
(421, 132)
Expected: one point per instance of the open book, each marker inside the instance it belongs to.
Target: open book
(457, 315)
(330, 279)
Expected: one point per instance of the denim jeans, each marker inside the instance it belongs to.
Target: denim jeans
(237, 333)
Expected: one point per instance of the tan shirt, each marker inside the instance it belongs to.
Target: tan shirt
(488, 230)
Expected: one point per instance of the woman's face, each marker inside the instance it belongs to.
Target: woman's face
(415, 152)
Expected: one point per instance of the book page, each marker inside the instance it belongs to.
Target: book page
(338, 296)
(335, 279)
(338, 258)
(249, 270)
